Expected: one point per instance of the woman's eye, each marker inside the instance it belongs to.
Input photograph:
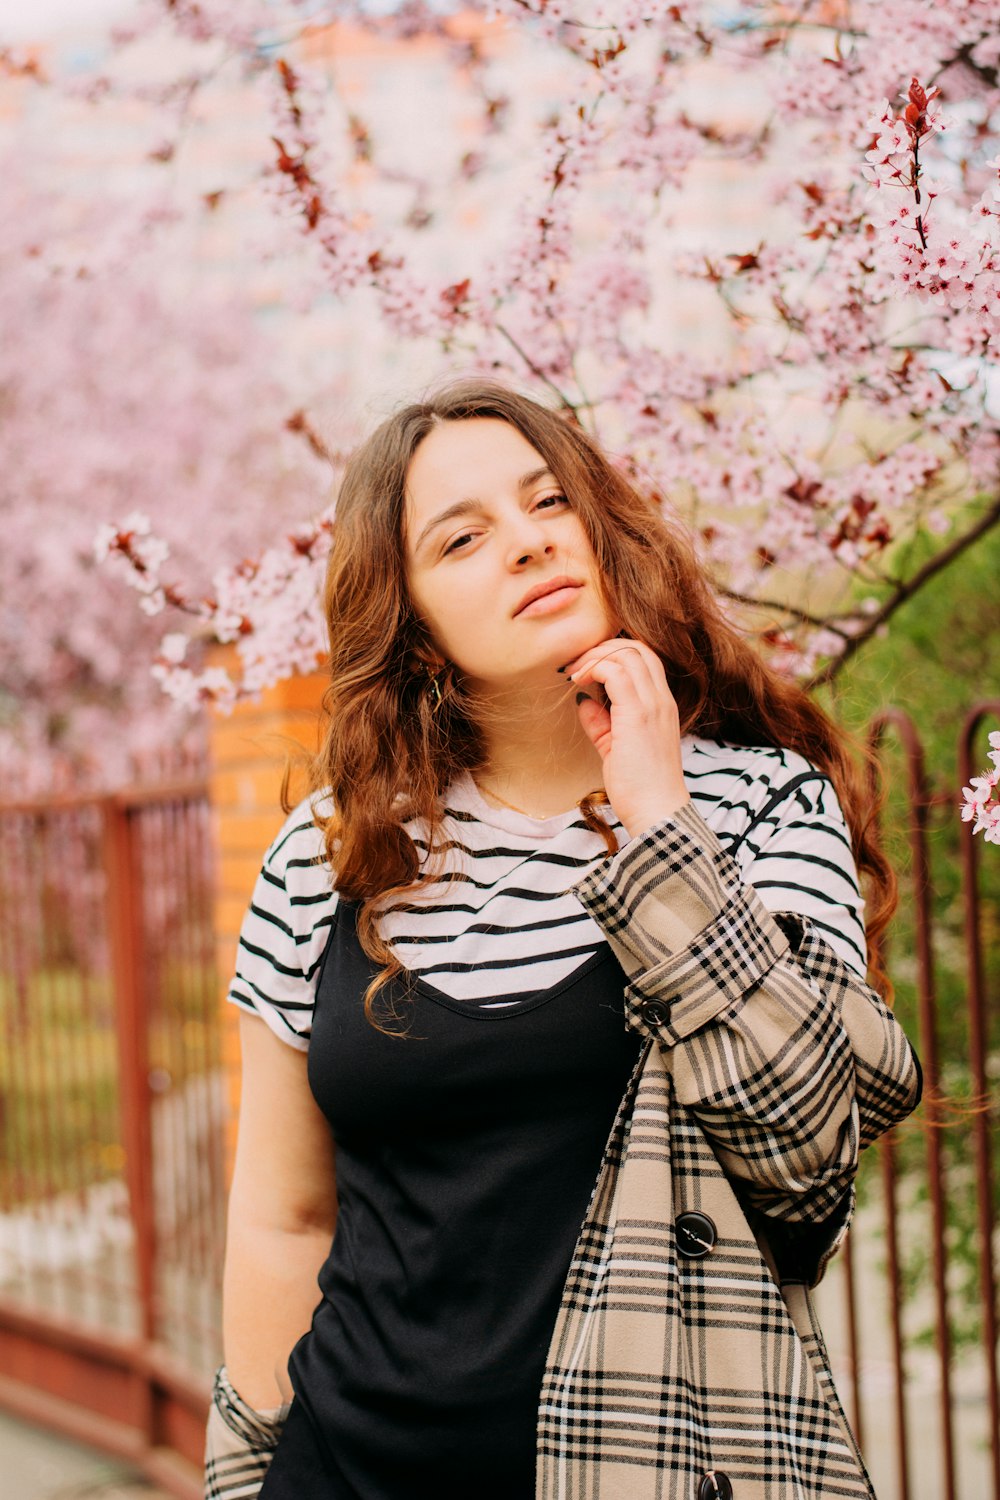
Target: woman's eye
(459, 542)
(550, 500)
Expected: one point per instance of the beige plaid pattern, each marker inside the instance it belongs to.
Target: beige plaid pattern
(665, 1369)
(769, 1065)
(239, 1443)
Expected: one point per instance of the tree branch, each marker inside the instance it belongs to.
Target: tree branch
(540, 374)
(906, 590)
(801, 615)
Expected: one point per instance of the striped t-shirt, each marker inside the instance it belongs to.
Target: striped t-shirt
(505, 923)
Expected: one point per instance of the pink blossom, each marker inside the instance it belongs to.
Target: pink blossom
(981, 805)
(126, 436)
(756, 253)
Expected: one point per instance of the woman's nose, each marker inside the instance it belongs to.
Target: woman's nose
(528, 543)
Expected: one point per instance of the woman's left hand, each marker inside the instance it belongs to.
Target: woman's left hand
(637, 735)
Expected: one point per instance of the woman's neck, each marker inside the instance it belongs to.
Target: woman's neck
(539, 760)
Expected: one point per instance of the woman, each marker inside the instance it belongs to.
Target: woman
(513, 968)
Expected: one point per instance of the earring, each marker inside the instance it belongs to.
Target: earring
(434, 687)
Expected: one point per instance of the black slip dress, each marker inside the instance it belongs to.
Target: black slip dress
(466, 1154)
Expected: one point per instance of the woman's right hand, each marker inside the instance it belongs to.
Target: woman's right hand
(637, 734)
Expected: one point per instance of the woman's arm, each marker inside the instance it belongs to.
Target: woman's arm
(282, 1205)
(282, 1212)
(789, 1061)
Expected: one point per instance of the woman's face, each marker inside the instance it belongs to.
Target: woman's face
(498, 564)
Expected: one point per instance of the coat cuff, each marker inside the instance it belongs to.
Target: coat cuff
(239, 1442)
(691, 939)
(259, 1429)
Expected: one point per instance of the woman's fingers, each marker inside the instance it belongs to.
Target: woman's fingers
(625, 669)
(596, 721)
(637, 731)
(620, 648)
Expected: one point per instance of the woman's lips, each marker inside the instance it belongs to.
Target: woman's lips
(548, 604)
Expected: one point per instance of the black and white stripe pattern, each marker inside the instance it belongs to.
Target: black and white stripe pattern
(508, 922)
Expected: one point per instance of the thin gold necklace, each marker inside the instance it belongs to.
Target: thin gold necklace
(484, 791)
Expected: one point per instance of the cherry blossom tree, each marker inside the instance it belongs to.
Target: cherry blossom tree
(844, 395)
(115, 396)
(754, 246)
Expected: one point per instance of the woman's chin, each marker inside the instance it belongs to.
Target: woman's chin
(577, 642)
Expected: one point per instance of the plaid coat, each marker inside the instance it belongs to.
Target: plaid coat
(686, 1363)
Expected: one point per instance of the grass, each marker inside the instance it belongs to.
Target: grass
(60, 1121)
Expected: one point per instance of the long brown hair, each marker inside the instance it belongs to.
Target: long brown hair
(395, 738)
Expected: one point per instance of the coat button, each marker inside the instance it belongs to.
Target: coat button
(654, 1013)
(715, 1486)
(696, 1236)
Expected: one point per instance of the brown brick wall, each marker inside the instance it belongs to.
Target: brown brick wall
(249, 751)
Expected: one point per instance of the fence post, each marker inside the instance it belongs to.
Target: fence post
(879, 959)
(125, 927)
(887, 1155)
(919, 798)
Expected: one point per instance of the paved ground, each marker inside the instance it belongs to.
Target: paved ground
(36, 1465)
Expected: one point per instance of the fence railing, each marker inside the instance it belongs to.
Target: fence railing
(112, 1139)
(911, 1301)
(112, 1124)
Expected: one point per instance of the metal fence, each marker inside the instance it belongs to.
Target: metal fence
(112, 1129)
(910, 1305)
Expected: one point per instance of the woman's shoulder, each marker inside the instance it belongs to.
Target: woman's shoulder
(780, 818)
(764, 767)
(286, 926)
(732, 785)
(300, 843)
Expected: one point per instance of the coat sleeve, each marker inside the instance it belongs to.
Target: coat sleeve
(239, 1442)
(787, 1058)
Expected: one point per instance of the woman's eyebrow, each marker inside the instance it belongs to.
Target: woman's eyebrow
(465, 507)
